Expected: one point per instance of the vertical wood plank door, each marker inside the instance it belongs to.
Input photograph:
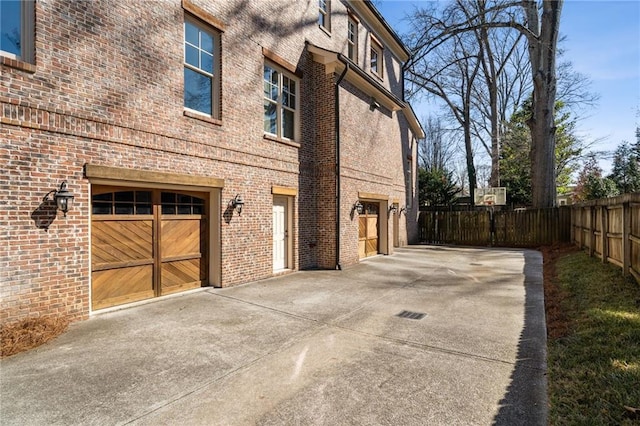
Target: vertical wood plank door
(121, 261)
(181, 245)
(181, 249)
(145, 243)
(122, 241)
(368, 230)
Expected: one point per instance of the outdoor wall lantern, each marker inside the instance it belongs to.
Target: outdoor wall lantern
(237, 203)
(374, 104)
(62, 197)
(403, 209)
(358, 207)
(393, 209)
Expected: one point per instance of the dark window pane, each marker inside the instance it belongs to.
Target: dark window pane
(124, 196)
(11, 31)
(143, 196)
(168, 209)
(143, 209)
(198, 200)
(124, 208)
(103, 197)
(184, 209)
(184, 199)
(100, 208)
(168, 197)
(287, 123)
(197, 91)
(197, 209)
(374, 60)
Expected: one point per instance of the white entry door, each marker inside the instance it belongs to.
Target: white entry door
(279, 233)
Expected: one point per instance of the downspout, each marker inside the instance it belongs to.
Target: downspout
(403, 69)
(337, 130)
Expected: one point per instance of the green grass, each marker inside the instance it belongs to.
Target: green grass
(594, 370)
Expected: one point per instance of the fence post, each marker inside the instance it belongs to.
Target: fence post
(492, 226)
(604, 231)
(626, 238)
(572, 231)
(592, 230)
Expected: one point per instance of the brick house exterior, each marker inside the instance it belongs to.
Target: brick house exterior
(304, 118)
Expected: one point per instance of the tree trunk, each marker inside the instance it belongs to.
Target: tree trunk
(491, 79)
(471, 168)
(542, 53)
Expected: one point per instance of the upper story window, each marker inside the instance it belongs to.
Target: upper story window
(201, 68)
(324, 14)
(16, 29)
(352, 39)
(376, 57)
(281, 102)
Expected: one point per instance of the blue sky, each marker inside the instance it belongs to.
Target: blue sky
(603, 43)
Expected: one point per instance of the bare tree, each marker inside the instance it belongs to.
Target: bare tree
(538, 22)
(497, 46)
(449, 74)
(439, 148)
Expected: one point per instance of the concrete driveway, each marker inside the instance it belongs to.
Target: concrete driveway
(317, 347)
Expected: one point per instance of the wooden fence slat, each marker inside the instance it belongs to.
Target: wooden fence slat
(607, 228)
(529, 228)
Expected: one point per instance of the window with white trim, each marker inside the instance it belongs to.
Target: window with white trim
(280, 102)
(17, 29)
(201, 68)
(324, 14)
(352, 39)
(376, 58)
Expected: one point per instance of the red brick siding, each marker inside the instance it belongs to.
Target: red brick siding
(107, 90)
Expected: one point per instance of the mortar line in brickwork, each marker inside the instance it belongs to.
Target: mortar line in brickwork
(52, 129)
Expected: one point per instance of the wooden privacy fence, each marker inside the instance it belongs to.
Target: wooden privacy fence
(524, 228)
(609, 228)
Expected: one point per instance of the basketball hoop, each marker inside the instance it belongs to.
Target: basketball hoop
(489, 200)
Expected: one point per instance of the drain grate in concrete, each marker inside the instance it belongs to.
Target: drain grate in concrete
(411, 315)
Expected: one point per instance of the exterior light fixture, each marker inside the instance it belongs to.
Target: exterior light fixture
(393, 209)
(403, 209)
(358, 207)
(63, 198)
(237, 203)
(374, 104)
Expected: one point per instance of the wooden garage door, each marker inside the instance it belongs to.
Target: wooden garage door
(368, 230)
(145, 243)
